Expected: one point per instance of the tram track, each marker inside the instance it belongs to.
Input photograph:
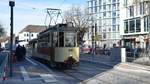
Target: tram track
(81, 72)
(72, 73)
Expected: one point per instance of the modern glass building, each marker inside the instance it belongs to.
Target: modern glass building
(134, 23)
(105, 17)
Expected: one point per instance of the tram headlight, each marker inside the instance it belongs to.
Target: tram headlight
(70, 52)
(70, 55)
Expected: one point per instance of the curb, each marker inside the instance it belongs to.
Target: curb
(139, 66)
(97, 63)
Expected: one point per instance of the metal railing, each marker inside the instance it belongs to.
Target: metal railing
(4, 64)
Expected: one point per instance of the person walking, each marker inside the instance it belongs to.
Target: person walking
(23, 52)
(18, 53)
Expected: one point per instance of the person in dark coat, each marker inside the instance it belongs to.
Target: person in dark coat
(18, 53)
(23, 52)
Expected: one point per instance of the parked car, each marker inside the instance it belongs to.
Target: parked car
(85, 49)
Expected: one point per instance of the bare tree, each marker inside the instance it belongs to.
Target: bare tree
(79, 17)
(2, 32)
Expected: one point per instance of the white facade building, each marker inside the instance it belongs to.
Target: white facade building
(25, 37)
(29, 33)
(134, 23)
(105, 17)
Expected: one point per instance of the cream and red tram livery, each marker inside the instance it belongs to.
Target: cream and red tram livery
(57, 45)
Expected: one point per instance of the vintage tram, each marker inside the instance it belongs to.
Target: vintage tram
(57, 45)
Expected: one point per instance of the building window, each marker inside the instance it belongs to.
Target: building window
(132, 26)
(117, 6)
(32, 35)
(114, 6)
(131, 11)
(104, 1)
(114, 21)
(24, 34)
(114, 14)
(125, 2)
(104, 14)
(109, 7)
(138, 25)
(100, 2)
(109, 29)
(27, 40)
(99, 8)
(141, 8)
(27, 35)
(95, 8)
(146, 23)
(114, 27)
(109, 14)
(126, 27)
(145, 7)
(104, 7)
(104, 35)
(114, 1)
(118, 28)
(118, 13)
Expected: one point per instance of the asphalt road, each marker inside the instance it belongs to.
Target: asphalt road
(31, 71)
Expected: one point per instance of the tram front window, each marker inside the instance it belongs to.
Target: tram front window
(70, 40)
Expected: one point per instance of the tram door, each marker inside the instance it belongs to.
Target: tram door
(61, 39)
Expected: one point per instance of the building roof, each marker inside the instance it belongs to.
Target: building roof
(33, 28)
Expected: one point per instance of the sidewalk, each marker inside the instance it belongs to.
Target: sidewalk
(102, 59)
(123, 73)
(30, 72)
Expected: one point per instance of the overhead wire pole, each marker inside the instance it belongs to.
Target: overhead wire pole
(11, 4)
(53, 15)
(93, 36)
(149, 25)
(93, 33)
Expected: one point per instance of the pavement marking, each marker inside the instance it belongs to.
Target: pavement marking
(31, 61)
(48, 78)
(24, 73)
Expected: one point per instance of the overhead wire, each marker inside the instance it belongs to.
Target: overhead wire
(36, 8)
(59, 13)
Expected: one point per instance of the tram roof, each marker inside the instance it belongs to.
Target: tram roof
(60, 28)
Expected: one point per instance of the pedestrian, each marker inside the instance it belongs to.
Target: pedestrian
(23, 52)
(18, 53)
(104, 49)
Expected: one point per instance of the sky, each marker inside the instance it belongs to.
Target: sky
(27, 12)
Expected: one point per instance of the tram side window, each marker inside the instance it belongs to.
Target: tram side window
(55, 39)
(43, 41)
(70, 40)
(61, 39)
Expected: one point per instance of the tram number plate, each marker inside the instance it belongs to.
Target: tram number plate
(70, 50)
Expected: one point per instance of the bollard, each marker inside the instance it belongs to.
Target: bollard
(4, 75)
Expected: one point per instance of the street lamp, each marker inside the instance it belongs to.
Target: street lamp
(11, 4)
